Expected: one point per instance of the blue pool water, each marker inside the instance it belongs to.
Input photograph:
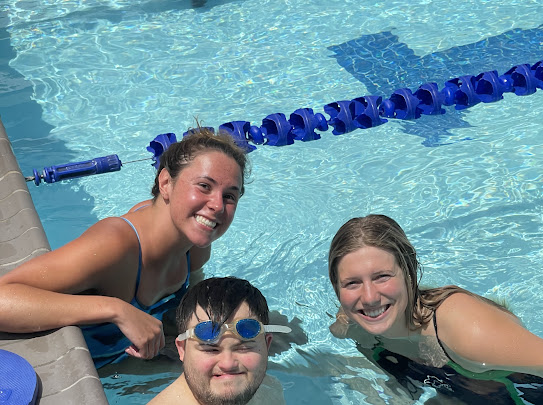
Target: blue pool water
(81, 79)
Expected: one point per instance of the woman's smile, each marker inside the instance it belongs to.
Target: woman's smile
(372, 291)
(374, 313)
(204, 221)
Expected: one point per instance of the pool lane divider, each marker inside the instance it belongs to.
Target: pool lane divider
(371, 111)
(345, 116)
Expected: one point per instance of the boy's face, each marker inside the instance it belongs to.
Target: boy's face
(229, 371)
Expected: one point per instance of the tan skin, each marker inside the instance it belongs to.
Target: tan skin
(92, 278)
(477, 335)
(489, 336)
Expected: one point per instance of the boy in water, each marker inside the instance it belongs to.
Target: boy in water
(223, 343)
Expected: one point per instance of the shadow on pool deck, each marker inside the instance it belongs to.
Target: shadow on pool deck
(60, 357)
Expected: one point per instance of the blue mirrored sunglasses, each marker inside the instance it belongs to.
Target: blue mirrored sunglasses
(245, 329)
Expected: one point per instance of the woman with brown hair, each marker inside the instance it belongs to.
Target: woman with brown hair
(462, 344)
(120, 276)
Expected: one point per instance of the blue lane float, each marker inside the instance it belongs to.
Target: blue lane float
(370, 111)
(366, 111)
(304, 123)
(345, 116)
(159, 145)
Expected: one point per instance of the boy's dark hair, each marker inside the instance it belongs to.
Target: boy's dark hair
(219, 297)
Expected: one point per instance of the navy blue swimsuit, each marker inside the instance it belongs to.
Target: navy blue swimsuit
(106, 342)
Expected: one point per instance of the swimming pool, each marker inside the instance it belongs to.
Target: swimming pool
(91, 78)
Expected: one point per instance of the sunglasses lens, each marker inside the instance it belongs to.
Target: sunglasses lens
(248, 328)
(207, 331)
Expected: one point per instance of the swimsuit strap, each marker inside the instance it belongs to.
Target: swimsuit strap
(139, 208)
(140, 255)
(186, 285)
(437, 337)
(135, 301)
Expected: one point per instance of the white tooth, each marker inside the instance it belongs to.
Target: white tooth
(205, 221)
(375, 313)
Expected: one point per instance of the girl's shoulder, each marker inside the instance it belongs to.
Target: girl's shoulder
(109, 230)
(474, 331)
(462, 306)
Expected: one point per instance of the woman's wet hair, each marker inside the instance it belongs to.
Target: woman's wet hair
(384, 233)
(198, 141)
(220, 297)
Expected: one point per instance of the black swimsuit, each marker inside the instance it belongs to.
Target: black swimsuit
(493, 387)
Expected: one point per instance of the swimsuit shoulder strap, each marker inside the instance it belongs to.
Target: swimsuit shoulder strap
(140, 255)
(437, 337)
(139, 208)
(188, 270)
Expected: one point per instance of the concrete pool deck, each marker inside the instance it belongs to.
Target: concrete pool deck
(60, 357)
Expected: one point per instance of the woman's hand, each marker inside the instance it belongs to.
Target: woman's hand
(340, 327)
(144, 331)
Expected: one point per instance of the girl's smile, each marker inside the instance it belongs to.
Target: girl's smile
(372, 291)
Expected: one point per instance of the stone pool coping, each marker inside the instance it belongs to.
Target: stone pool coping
(60, 357)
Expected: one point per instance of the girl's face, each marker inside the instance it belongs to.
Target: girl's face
(204, 196)
(373, 292)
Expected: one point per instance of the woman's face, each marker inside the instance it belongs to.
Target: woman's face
(204, 196)
(373, 292)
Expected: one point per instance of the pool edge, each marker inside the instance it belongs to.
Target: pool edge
(60, 358)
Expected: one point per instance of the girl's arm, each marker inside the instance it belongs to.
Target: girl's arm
(478, 335)
(41, 293)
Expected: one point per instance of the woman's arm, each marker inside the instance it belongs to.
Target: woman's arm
(477, 334)
(40, 294)
(25, 308)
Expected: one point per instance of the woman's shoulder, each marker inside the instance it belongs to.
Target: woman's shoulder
(463, 313)
(476, 331)
(112, 237)
(463, 305)
(109, 228)
(459, 300)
